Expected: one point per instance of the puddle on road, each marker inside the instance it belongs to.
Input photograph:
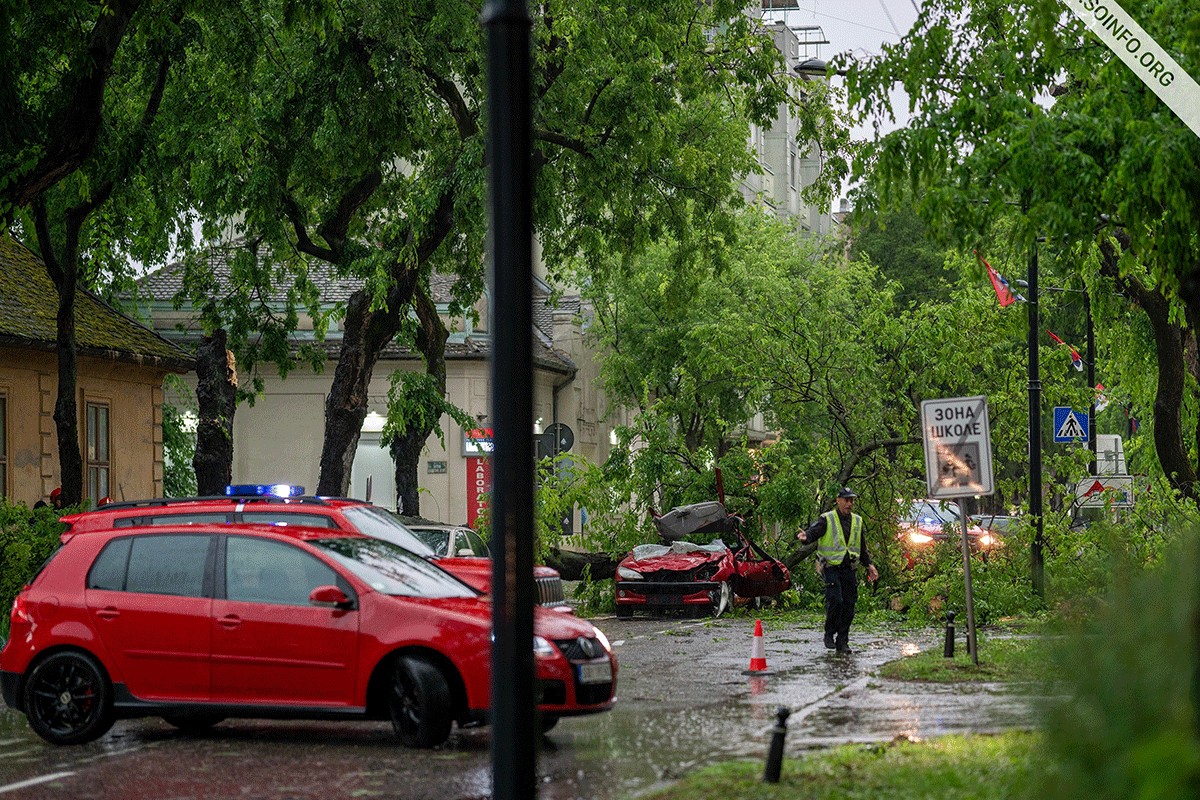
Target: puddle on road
(638, 746)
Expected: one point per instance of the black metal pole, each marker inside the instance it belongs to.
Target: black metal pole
(1035, 431)
(1091, 376)
(514, 760)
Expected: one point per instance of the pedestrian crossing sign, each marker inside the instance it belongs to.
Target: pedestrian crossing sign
(1070, 425)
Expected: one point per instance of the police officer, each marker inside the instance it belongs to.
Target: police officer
(841, 547)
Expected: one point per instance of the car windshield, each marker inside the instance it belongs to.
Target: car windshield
(927, 513)
(437, 540)
(373, 521)
(390, 569)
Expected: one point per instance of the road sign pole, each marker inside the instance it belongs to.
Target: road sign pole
(972, 645)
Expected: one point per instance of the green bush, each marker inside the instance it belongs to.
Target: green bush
(594, 596)
(1129, 724)
(27, 538)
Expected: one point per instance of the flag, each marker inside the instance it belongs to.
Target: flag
(1003, 293)
(1101, 398)
(1075, 359)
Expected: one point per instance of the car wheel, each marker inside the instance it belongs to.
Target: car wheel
(722, 599)
(192, 723)
(68, 699)
(548, 721)
(419, 703)
(624, 612)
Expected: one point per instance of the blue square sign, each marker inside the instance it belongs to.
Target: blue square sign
(1070, 425)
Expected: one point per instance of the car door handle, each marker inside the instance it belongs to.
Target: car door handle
(108, 612)
(230, 621)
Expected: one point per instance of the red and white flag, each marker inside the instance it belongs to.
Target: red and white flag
(1003, 292)
(1076, 360)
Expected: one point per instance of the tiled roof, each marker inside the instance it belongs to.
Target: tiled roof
(29, 317)
(163, 284)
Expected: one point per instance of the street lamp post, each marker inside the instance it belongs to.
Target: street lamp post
(1035, 414)
(1037, 563)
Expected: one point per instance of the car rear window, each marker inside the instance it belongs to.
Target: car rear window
(109, 570)
(194, 518)
(288, 518)
(391, 569)
(171, 564)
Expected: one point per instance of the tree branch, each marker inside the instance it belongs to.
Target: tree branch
(80, 117)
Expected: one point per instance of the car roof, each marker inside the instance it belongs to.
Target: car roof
(128, 508)
(299, 532)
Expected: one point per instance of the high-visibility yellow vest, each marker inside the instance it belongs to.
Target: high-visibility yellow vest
(831, 548)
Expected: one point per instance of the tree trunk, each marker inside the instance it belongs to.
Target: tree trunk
(1170, 356)
(216, 398)
(571, 564)
(407, 449)
(66, 409)
(364, 334)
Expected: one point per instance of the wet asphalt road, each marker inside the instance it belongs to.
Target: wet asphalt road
(684, 702)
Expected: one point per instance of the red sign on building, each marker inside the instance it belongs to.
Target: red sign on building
(479, 485)
(477, 448)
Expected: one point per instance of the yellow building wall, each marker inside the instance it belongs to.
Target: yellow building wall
(134, 394)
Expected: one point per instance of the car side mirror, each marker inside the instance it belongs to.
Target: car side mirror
(330, 597)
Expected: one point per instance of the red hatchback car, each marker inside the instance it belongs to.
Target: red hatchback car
(197, 623)
(285, 504)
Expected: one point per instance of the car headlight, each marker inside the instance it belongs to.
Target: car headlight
(629, 574)
(919, 538)
(988, 540)
(599, 634)
(542, 648)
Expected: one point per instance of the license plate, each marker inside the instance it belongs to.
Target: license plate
(595, 672)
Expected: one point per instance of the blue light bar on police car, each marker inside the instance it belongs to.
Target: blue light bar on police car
(263, 489)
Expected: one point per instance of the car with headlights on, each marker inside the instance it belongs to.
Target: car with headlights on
(198, 623)
(927, 523)
(286, 504)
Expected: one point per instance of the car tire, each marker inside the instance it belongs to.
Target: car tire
(722, 599)
(624, 612)
(419, 703)
(548, 721)
(193, 723)
(68, 699)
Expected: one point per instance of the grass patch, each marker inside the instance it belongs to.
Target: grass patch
(1008, 660)
(950, 767)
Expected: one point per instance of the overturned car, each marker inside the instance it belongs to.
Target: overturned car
(699, 579)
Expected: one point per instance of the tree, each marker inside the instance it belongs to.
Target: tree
(1016, 107)
(350, 134)
(819, 344)
(84, 84)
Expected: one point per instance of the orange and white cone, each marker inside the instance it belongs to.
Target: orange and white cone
(758, 652)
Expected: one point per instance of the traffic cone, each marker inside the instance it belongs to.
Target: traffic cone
(758, 653)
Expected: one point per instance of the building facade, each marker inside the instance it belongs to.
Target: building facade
(279, 438)
(121, 368)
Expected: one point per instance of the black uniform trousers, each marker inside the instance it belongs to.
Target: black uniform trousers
(841, 595)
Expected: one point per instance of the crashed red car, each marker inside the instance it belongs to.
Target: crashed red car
(696, 578)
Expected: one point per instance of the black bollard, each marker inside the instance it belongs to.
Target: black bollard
(775, 753)
(948, 652)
